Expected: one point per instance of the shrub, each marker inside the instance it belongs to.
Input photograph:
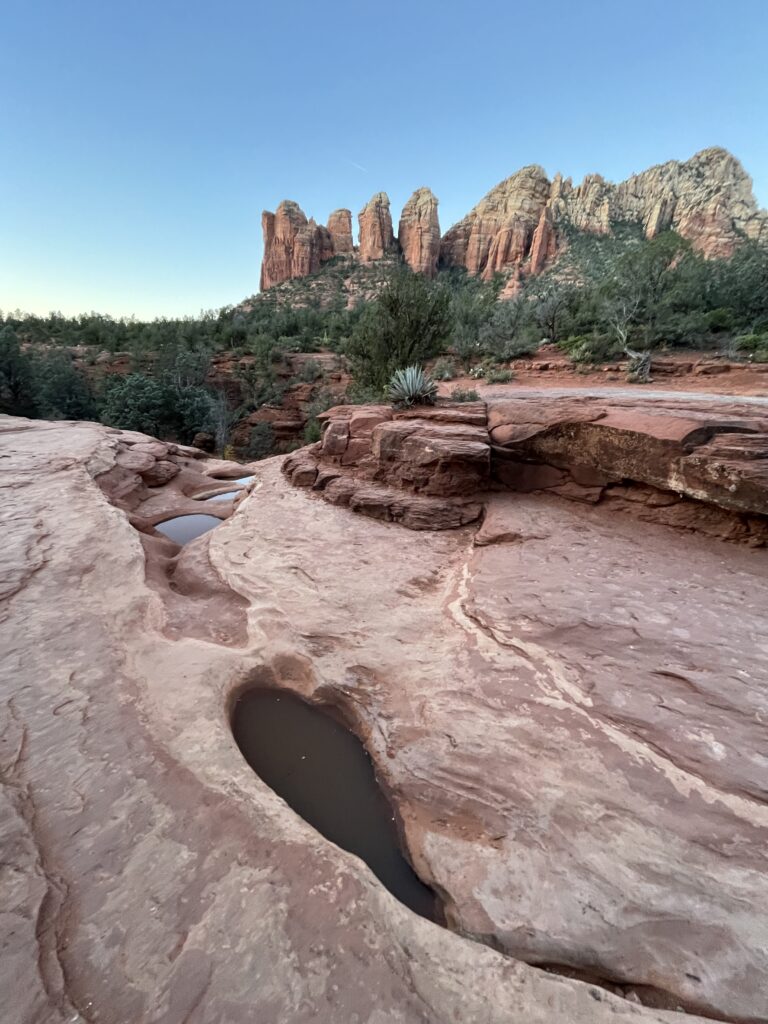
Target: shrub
(754, 346)
(312, 431)
(261, 443)
(499, 376)
(462, 395)
(443, 370)
(408, 323)
(412, 386)
(590, 348)
(310, 371)
(478, 372)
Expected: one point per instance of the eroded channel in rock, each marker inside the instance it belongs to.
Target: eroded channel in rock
(325, 774)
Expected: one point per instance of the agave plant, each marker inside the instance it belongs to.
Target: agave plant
(412, 386)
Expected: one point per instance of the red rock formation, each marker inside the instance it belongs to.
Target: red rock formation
(375, 221)
(419, 232)
(704, 457)
(497, 233)
(340, 228)
(544, 244)
(297, 247)
(514, 229)
(290, 244)
(707, 199)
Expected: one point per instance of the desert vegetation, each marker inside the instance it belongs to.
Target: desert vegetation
(620, 296)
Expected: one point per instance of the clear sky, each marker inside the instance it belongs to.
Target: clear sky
(142, 138)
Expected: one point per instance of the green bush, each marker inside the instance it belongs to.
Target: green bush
(754, 346)
(310, 371)
(412, 386)
(462, 395)
(408, 323)
(590, 348)
(261, 443)
(443, 370)
(499, 376)
(312, 431)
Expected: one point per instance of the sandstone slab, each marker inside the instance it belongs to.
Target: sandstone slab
(570, 719)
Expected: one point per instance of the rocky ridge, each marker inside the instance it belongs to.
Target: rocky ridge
(520, 227)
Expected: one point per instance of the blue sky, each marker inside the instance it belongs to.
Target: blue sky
(143, 138)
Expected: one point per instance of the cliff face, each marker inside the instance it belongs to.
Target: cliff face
(707, 200)
(517, 228)
(375, 221)
(297, 247)
(419, 232)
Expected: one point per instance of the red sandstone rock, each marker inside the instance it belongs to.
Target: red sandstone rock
(297, 247)
(375, 222)
(498, 231)
(419, 232)
(570, 720)
(340, 229)
(160, 473)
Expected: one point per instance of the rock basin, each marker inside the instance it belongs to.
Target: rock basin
(183, 529)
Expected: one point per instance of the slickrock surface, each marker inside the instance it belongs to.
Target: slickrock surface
(568, 708)
(419, 232)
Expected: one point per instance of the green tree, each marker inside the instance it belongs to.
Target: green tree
(507, 334)
(138, 402)
(408, 323)
(16, 381)
(61, 392)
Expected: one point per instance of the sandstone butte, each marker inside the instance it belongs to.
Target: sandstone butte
(563, 694)
(518, 228)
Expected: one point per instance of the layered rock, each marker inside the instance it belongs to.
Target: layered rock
(296, 247)
(498, 232)
(375, 223)
(707, 200)
(340, 229)
(517, 228)
(569, 716)
(419, 232)
(698, 465)
(423, 468)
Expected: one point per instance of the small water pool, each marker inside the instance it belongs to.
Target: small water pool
(183, 529)
(245, 480)
(325, 774)
(228, 496)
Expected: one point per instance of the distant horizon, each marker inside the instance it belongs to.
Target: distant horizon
(146, 142)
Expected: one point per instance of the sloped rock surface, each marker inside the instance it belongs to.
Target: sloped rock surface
(149, 876)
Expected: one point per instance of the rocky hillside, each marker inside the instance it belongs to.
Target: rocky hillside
(522, 226)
